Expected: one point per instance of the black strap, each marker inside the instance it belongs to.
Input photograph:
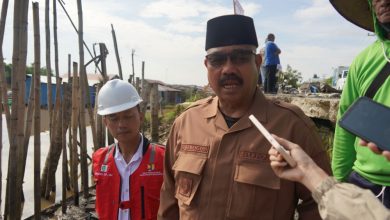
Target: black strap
(378, 81)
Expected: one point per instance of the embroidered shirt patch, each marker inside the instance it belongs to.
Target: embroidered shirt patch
(247, 155)
(151, 167)
(195, 148)
(185, 186)
(103, 168)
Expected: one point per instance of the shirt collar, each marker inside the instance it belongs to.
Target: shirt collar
(137, 155)
(258, 108)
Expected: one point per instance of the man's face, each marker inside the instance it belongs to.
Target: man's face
(124, 126)
(233, 72)
(382, 10)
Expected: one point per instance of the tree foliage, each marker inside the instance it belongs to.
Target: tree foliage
(194, 94)
(29, 70)
(290, 77)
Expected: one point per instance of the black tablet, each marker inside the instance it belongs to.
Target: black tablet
(368, 120)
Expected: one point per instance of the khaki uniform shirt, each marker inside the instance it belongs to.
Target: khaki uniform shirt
(212, 172)
(344, 201)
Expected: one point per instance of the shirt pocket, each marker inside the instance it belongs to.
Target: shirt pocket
(188, 169)
(254, 192)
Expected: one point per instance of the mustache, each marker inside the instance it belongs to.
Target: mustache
(222, 81)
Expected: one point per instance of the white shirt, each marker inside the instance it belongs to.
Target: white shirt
(125, 170)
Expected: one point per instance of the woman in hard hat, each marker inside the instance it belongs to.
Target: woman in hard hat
(128, 173)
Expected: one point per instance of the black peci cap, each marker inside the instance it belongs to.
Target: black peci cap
(230, 30)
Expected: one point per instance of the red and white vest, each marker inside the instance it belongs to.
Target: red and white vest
(145, 184)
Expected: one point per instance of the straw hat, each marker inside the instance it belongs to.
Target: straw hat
(356, 11)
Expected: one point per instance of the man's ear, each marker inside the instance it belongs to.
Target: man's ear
(258, 60)
(141, 116)
(205, 62)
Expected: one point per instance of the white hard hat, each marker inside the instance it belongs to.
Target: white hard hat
(116, 96)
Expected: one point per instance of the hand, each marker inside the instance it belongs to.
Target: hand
(375, 148)
(306, 171)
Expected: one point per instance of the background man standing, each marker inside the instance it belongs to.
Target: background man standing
(216, 163)
(128, 174)
(272, 52)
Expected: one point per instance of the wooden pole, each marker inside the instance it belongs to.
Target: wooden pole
(132, 65)
(64, 153)
(31, 101)
(56, 65)
(37, 113)
(145, 95)
(69, 67)
(137, 85)
(90, 111)
(83, 132)
(3, 82)
(48, 64)
(103, 55)
(154, 104)
(100, 129)
(75, 116)
(118, 60)
(18, 110)
(143, 70)
(3, 89)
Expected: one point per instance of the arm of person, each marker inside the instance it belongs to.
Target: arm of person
(343, 152)
(278, 51)
(335, 200)
(169, 209)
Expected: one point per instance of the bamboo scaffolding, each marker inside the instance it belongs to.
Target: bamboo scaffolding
(14, 183)
(85, 45)
(52, 160)
(118, 60)
(75, 114)
(36, 81)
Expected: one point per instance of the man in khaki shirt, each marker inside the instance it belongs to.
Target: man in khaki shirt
(216, 163)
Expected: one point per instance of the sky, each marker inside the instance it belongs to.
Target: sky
(169, 35)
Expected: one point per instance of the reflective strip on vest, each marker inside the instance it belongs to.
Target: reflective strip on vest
(110, 148)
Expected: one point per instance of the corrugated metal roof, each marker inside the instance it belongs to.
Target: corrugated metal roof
(44, 78)
(93, 78)
(162, 88)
